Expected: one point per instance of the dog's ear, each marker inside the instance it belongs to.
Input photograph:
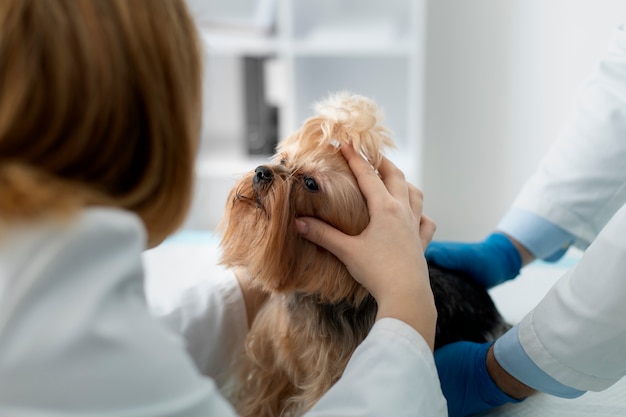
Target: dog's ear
(325, 275)
(288, 262)
(350, 118)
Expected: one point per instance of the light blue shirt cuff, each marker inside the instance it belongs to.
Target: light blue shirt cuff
(543, 239)
(513, 358)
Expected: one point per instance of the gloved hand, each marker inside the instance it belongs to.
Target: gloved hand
(489, 263)
(465, 382)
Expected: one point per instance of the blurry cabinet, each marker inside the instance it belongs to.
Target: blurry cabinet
(309, 48)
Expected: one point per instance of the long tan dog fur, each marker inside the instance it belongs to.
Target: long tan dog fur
(316, 314)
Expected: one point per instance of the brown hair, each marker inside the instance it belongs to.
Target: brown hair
(99, 104)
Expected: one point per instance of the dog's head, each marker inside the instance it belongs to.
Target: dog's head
(307, 177)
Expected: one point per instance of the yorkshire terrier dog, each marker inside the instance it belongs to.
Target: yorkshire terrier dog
(316, 313)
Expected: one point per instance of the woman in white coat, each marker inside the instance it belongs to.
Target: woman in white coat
(575, 339)
(99, 119)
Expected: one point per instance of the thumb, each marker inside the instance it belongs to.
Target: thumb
(323, 235)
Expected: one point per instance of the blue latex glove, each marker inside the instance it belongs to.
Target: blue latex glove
(489, 263)
(465, 382)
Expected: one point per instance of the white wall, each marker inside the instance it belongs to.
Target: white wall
(501, 77)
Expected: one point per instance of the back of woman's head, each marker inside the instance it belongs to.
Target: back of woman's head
(99, 104)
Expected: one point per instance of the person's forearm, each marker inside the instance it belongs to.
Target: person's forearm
(505, 381)
(418, 312)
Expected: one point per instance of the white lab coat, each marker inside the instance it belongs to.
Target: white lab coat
(577, 334)
(76, 337)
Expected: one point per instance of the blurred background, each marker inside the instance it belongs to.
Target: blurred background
(474, 91)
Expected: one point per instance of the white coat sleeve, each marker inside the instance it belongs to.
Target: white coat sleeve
(211, 317)
(581, 182)
(392, 373)
(577, 333)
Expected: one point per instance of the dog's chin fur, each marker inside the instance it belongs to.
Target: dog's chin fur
(316, 314)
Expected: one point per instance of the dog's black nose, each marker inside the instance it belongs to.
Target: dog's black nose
(262, 174)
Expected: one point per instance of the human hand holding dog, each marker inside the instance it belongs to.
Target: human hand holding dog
(387, 258)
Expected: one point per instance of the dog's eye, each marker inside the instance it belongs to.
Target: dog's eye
(310, 184)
